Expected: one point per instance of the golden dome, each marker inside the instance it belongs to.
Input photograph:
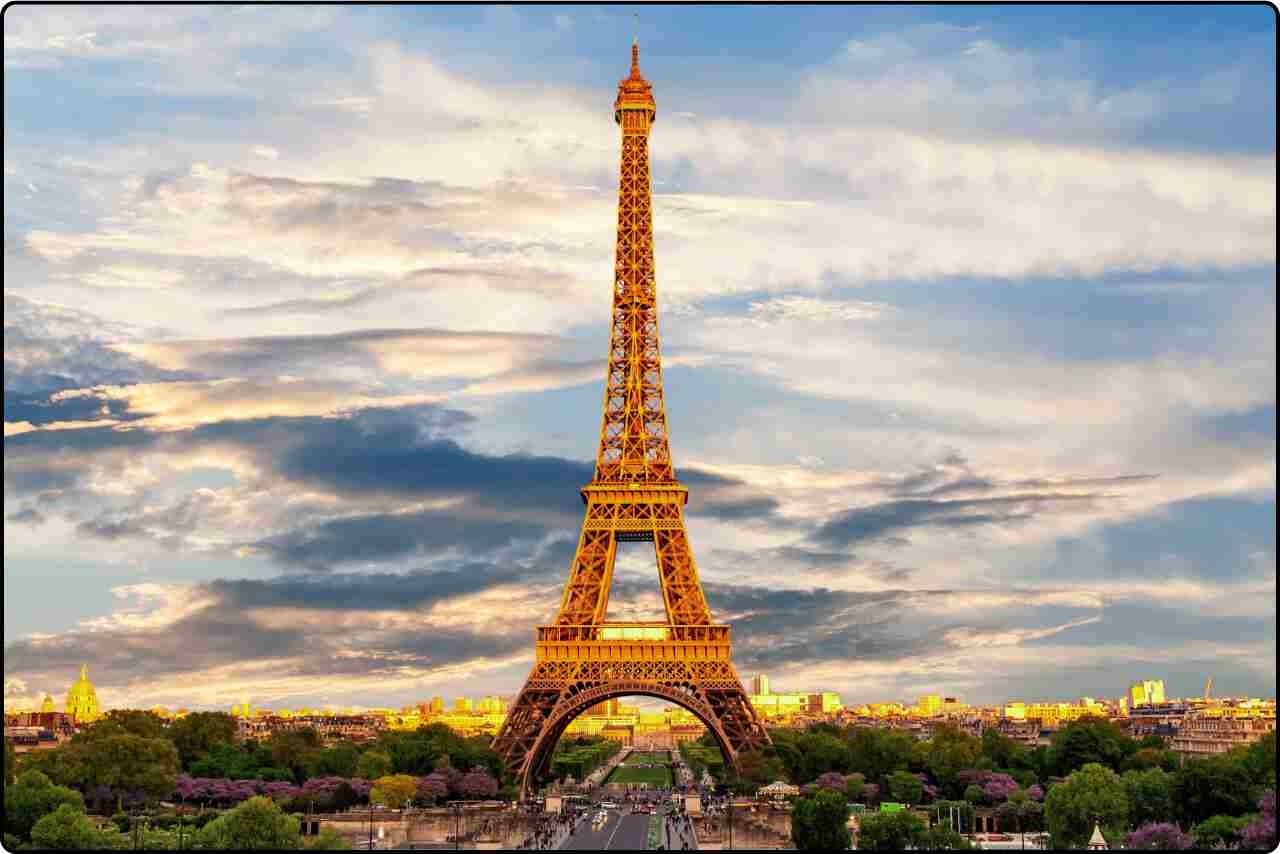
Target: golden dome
(82, 699)
(47, 705)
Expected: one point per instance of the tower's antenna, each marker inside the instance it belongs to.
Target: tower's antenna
(635, 37)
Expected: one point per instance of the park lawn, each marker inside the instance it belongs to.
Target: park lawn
(647, 758)
(659, 777)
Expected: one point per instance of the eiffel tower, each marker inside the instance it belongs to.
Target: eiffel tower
(581, 659)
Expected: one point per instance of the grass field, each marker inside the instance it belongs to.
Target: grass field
(638, 757)
(659, 776)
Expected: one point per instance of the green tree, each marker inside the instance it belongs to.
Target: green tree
(393, 790)
(31, 798)
(1092, 793)
(820, 823)
(1152, 757)
(197, 733)
(294, 750)
(256, 823)
(1220, 831)
(760, 767)
(131, 762)
(1218, 785)
(1002, 751)
(124, 722)
(1259, 762)
(948, 752)
(1212, 786)
(10, 762)
(905, 788)
(891, 831)
(1089, 740)
(973, 794)
(820, 753)
(1020, 814)
(1150, 796)
(329, 839)
(373, 764)
(877, 753)
(68, 828)
(942, 838)
(62, 765)
(854, 785)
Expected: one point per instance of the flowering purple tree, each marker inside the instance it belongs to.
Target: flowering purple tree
(478, 783)
(1159, 837)
(433, 787)
(831, 780)
(998, 787)
(1260, 834)
(1035, 793)
(279, 790)
(360, 786)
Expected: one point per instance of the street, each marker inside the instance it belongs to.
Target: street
(620, 833)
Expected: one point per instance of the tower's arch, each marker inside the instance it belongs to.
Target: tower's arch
(558, 722)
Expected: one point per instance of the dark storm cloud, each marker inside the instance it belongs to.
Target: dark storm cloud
(878, 521)
(228, 631)
(378, 537)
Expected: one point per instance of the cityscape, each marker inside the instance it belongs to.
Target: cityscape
(929, 503)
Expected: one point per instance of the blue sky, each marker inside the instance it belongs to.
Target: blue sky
(968, 324)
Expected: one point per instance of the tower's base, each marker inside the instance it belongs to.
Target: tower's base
(580, 666)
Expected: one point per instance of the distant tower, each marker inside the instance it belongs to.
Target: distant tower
(760, 685)
(47, 705)
(1208, 688)
(82, 699)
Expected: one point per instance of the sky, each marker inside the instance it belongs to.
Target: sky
(968, 319)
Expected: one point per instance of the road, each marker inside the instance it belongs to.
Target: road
(620, 833)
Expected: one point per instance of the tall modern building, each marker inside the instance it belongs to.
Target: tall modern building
(1148, 692)
(760, 685)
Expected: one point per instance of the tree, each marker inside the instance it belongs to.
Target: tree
(1259, 761)
(1221, 831)
(821, 753)
(853, 787)
(1091, 794)
(67, 828)
(32, 798)
(1152, 757)
(197, 733)
(760, 767)
(1260, 834)
(329, 839)
(1002, 751)
(831, 780)
(1020, 812)
(1218, 785)
(877, 753)
(973, 794)
(905, 788)
(478, 783)
(1087, 740)
(10, 762)
(1150, 796)
(432, 788)
(256, 823)
(373, 764)
(393, 790)
(148, 765)
(950, 751)
(942, 838)
(820, 823)
(123, 722)
(891, 831)
(1159, 837)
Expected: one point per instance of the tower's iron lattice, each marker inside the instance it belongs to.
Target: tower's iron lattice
(581, 659)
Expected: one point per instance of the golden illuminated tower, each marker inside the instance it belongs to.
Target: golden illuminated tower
(581, 660)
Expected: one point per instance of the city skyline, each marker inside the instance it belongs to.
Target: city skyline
(304, 356)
